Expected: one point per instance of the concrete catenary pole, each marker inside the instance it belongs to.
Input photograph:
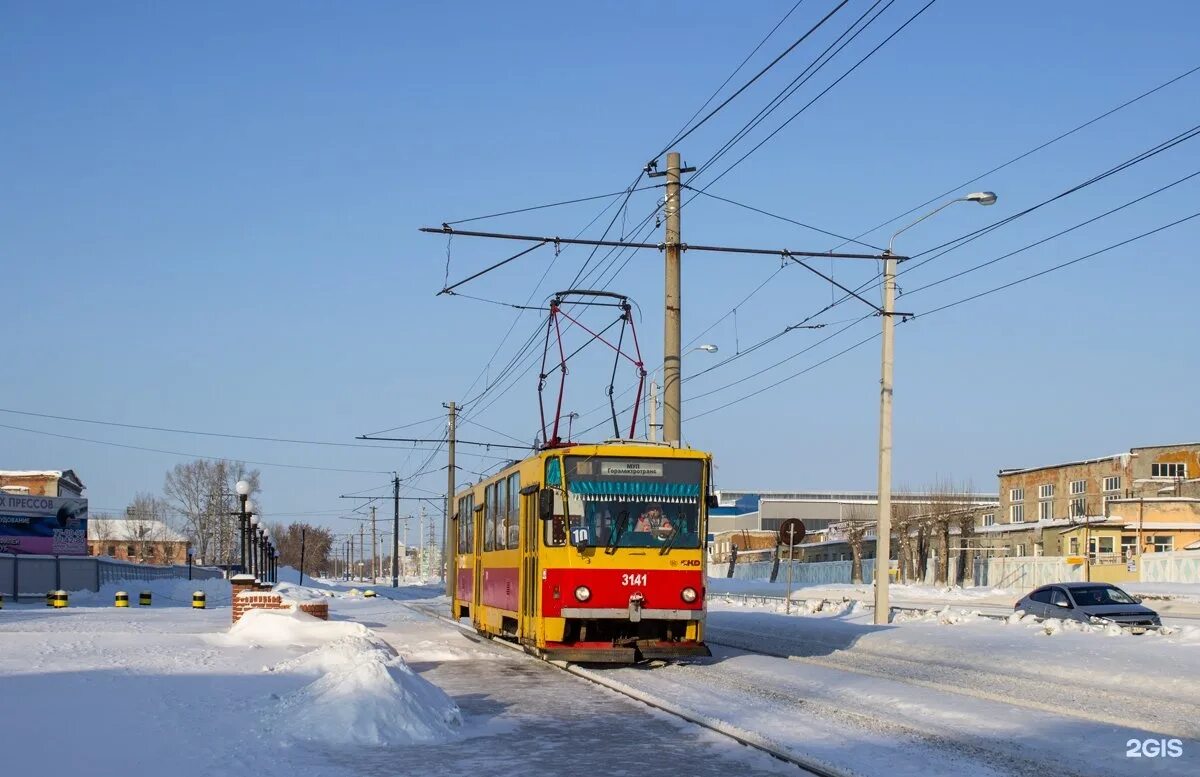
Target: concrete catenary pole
(374, 549)
(883, 528)
(449, 549)
(672, 333)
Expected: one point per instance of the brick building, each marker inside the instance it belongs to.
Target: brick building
(134, 539)
(42, 482)
(1042, 508)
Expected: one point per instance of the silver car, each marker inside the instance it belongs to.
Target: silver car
(1096, 603)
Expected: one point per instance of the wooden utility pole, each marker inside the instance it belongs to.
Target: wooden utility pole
(449, 549)
(374, 550)
(362, 548)
(672, 332)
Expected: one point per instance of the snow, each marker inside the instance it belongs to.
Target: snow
(290, 627)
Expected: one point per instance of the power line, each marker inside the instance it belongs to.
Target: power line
(1030, 152)
(782, 218)
(552, 205)
(1081, 224)
(197, 433)
(757, 76)
(960, 186)
(947, 306)
(191, 455)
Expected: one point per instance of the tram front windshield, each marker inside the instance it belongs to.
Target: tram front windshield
(639, 524)
(634, 503)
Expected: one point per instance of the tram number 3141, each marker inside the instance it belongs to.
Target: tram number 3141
(638, 579)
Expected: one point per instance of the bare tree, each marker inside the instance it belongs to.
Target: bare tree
(904, 523)
(146, 529)
(318, 543)
(203, 492)
(855, 528)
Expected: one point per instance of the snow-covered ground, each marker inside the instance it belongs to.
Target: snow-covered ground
(379, 690)
(382, 689)
(1178, 601)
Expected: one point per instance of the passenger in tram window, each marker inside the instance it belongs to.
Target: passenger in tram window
(653, 520)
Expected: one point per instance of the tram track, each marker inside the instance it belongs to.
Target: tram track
(747, 738)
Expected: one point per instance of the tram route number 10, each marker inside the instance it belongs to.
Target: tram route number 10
(635, 579)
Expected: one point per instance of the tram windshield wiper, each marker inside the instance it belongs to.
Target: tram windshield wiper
(615, 537)
(670, 541)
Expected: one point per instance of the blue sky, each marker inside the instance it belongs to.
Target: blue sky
(210, 223)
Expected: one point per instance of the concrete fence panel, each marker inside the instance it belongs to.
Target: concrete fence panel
(1180, 566)
(1023, 572)
(23, 575)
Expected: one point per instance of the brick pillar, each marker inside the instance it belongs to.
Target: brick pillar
(241, 584)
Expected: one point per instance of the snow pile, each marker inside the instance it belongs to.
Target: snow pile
(366, 697)
(168, 592)
(273, 628)
(337, 654)
(293, 593)
(292, 576)
(363, 692)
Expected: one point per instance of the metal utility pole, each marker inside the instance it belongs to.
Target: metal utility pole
(672, 332)
(395, 530)
(302, 537)
(449, 580)
(362, 548)
(374, 550)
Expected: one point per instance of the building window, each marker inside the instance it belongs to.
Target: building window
(1046, 491)
(1078, 507)
(1074, 546)
(1016, 513)
(112, 550)
(1112, 484)
(1078, 487)
(1021, 549)
(130, 552)
(1128, 546)
(1162, 543)
(1016, 495)
(1169, 470)
(1045, 511)
(989, 519)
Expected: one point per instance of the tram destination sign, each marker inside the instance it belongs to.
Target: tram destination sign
(636, 469)
(791, 532)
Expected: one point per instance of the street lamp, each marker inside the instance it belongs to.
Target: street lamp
(652, 394)
(252, 544)
(243, 493)
(883, 529)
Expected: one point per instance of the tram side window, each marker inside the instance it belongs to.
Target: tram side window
(514, 510)
(489, 517)
(501, 515)
(464, 518)
(555, 532)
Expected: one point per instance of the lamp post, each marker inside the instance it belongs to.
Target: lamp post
(252, 545)
(652, 394)
(243, 494)
(883, 529)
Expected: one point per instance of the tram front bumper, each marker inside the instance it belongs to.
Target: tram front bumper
(621, 613)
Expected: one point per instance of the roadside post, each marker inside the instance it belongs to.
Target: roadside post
(791, 533)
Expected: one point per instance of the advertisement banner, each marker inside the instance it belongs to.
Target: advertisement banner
(43, 525)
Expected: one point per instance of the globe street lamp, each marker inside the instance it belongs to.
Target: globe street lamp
(652, 402)
(883, 528)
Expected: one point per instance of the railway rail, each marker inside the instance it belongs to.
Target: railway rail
(746, 738)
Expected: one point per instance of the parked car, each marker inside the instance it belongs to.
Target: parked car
(1096, 603)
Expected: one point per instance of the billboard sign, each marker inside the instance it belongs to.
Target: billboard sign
(43, 525)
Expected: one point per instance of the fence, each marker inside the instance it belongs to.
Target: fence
(1180, 566)
(1028, 571)
(22, 575)
(803, 572)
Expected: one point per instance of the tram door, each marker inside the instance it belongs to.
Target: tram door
(477, 516)
(529, 571)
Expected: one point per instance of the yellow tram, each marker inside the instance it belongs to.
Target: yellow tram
(588, 552)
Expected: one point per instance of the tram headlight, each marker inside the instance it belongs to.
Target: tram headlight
(688, 595)
(583, 593)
